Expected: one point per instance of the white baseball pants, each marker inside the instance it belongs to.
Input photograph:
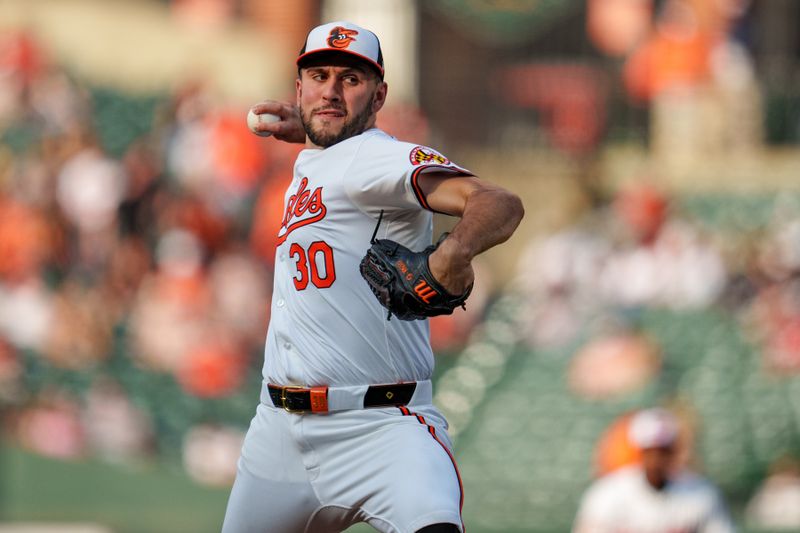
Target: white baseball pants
(317, 473)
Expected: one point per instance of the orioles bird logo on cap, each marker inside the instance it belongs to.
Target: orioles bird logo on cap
(341, 37)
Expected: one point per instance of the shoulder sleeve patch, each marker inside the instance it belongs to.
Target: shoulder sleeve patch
(422, 155)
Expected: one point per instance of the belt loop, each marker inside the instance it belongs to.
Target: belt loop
(423, 393)
(319, 399)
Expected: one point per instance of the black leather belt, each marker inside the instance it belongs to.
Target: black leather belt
(315, 399)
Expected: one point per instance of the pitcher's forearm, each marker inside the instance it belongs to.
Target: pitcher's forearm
(490, 218)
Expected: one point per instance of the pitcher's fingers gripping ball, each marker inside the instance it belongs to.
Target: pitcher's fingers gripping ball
(255, 120)
(403, 283)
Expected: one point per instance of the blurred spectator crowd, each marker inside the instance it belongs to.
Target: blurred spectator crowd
(643, 250)
(127, 254)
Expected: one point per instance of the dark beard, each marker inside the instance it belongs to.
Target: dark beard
(351, 128)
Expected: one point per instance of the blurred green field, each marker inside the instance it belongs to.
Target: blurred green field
(129, 500)
(126, 499)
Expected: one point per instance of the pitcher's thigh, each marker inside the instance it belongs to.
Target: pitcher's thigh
(420, 481)
(258, 505)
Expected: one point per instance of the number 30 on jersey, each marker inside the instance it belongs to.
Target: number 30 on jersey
(314, 264)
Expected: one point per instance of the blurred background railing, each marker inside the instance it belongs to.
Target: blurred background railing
(656, 145)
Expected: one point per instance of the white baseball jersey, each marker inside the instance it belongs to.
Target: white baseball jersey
(327, 327)
(624, 502)
(392, 466)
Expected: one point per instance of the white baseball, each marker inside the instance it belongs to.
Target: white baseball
(254, 120)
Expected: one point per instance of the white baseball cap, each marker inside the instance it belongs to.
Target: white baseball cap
(343, 37)
(653, 428)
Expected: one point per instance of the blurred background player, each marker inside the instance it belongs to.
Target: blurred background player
(656, 496)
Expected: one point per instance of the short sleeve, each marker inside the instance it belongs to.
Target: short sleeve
(385, 173)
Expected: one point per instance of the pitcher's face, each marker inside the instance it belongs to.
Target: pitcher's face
(338, 101)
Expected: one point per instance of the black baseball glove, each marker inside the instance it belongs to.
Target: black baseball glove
(403, 283)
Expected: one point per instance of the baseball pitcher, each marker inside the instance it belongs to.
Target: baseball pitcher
(345, 431)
